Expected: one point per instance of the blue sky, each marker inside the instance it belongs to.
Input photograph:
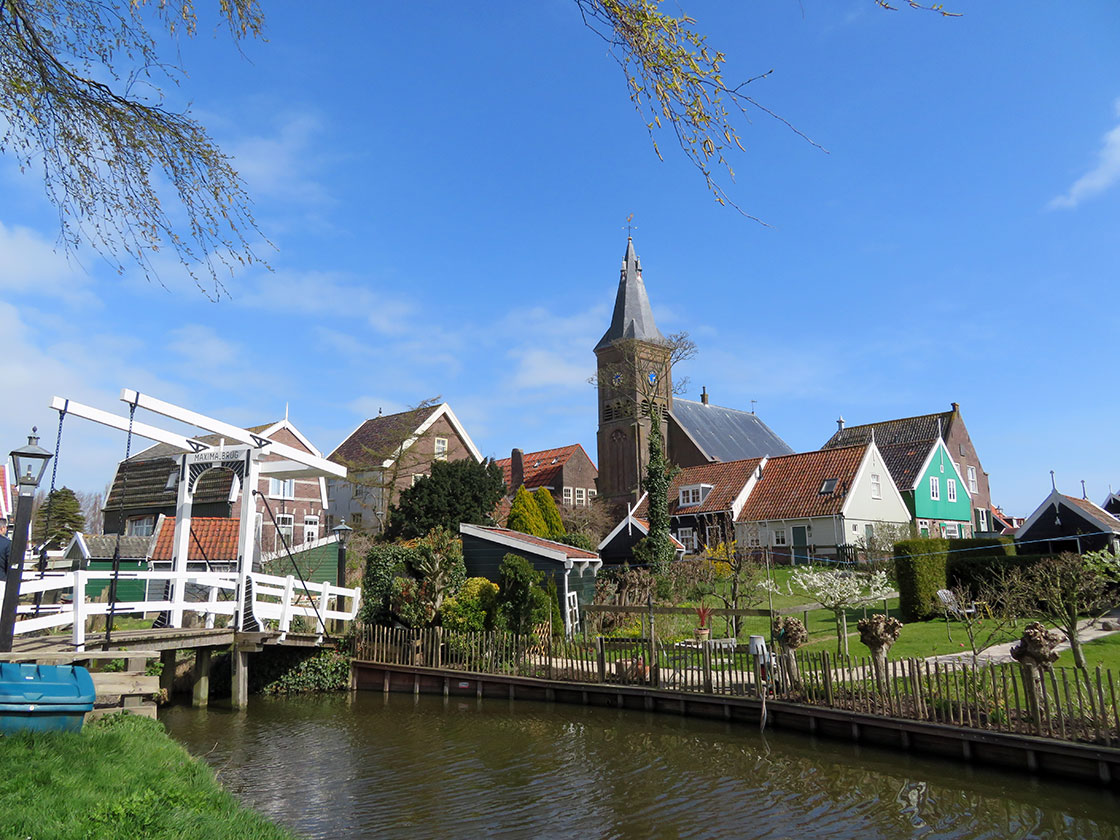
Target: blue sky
(447, 186)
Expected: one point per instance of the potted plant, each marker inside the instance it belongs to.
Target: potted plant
(703, 631)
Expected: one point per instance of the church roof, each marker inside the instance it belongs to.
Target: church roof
(727, 434)
(633, 318)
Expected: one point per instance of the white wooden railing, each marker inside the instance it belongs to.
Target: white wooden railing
(275, 599)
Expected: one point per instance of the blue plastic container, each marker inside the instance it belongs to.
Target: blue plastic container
(44, 698)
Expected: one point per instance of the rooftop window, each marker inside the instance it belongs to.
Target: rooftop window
(694, 494)
(828, 486)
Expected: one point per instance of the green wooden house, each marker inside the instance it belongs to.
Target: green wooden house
(573, 569)
(932, 487)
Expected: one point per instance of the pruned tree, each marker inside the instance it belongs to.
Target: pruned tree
(1067, 589)
(837, 591)
(738, 576)
(879, 632)
(990, 608)
(790, 633)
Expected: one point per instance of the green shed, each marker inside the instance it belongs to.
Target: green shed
(95, 552)
(572, 568)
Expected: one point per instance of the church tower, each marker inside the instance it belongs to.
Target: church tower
(635, 387)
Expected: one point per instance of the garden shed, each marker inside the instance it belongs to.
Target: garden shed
(1066, 523)
(573, 569)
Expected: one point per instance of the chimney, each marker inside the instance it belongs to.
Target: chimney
(956, 407)
(704, 395)
(516, 470)
(840, 423)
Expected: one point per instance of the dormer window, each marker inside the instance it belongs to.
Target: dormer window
(828, 486)
(694, 494)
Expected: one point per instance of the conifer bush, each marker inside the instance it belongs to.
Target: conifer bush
(549, 513)
(920, 570)
(525, 515)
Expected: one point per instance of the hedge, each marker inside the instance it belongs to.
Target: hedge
(920, 571)
(973, 562)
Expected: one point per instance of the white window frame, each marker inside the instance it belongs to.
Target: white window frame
(694, 494)
(687, 538)
(416, 477)
(876, 486)
(781, 538)
(310, 528)
(285, 524)
(581, 497)
(281, 488)
(982, 516)
(441, 449)
(568, 496)
(140, 526)
(971, 479)
(591, 494)
(951, 489)
(935, 488)
(573, 612)
(951, 530)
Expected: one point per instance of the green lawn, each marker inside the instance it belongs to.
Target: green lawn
(119, 778)
(1104, 652)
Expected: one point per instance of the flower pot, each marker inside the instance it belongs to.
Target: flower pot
(702, 633)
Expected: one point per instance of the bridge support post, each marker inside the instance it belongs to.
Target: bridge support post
(167, 672)
(240, 678)
(201, 690)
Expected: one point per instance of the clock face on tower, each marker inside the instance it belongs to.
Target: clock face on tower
(653, 377)
(616, 380)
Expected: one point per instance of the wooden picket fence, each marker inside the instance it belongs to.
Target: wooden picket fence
(1061, 703)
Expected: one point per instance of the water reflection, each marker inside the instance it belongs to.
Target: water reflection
(402, 766)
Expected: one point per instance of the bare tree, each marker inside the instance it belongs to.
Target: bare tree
(1067, 589)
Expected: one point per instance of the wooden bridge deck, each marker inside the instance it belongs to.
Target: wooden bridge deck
(167, 638)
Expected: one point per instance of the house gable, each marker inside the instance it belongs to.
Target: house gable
(863, 503)
(939, 465)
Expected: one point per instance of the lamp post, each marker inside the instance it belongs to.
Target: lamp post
(30, 462)
(343, 532)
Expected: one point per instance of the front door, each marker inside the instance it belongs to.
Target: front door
(800, 544)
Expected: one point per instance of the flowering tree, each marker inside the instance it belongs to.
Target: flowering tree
(837, 591)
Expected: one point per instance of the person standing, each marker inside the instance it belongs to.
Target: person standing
(5, 548)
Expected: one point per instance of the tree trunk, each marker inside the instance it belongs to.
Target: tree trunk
(793, 674)
(1077, 650)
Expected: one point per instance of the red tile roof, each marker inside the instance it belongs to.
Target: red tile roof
(212, 538)
(790, 487)
(645, 524)
(542, 469)
(540, 542)
(728, 478)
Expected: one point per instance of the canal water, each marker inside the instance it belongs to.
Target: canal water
(366, 765)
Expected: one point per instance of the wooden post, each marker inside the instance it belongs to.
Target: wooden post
(201, 689)
(706, 664)
(602, 659)
(167, 672)
(654, 665)
(240, 678)
(826, 670)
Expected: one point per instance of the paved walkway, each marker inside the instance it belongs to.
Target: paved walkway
(1088, 629)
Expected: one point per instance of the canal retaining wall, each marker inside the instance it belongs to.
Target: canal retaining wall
(1081, 762)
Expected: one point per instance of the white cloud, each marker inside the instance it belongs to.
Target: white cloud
(1101, 177)
(29, 263)
(540, 368)
(280, 166)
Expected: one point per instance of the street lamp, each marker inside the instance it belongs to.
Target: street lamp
(343, 532)
(30, 462)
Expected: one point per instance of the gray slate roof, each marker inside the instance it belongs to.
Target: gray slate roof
(633, 318)
(919, 429)
(728, 434)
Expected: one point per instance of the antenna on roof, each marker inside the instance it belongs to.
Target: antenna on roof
(1053, 484)
(753, 402)
(379, 411)
(1084, 495)
(285, 411)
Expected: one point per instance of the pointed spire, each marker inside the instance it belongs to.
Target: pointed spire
(633, 318)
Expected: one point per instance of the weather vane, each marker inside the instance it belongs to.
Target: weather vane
(630, 226)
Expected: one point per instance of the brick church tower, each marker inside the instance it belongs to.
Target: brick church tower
(635, 387)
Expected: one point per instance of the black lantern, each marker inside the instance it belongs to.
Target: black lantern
(343, 532)
(30, 463)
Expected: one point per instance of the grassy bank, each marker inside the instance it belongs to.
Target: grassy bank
(122, 777)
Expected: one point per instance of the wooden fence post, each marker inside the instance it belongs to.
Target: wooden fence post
(602, 659)
(826, 670)
(706, 659)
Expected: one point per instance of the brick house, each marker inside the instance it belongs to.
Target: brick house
(147, 485)
(387, 454)
(567, 472)
(917, 434)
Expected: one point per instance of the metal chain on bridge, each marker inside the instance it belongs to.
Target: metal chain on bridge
(120, 529)
(50, 506)
(284, 542)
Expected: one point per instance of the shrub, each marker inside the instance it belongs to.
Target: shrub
(549, 513)
(328, 670)
(411, 602)
(525, 514)
(471, 610)
(384, 562)
(521, 600)
(975, 562)
(920, 572)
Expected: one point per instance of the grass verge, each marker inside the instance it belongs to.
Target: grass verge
(121, 777)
